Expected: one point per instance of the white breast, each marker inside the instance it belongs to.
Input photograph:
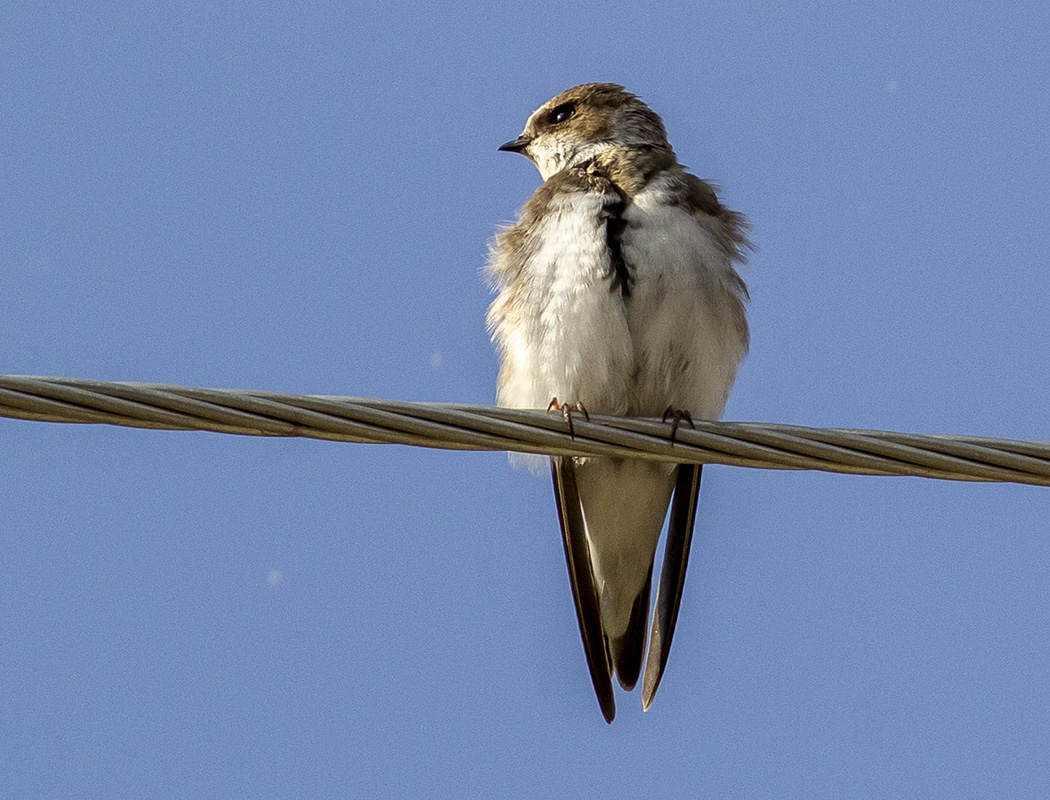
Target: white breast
(684, 313)
(563, 333)
(676, 341)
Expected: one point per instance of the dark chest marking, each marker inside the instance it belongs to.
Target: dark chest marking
(620, 273)
(620, 174)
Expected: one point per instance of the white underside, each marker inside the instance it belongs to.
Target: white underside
(675, 342)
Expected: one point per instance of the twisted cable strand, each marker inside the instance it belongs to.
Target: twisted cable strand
(462, 427)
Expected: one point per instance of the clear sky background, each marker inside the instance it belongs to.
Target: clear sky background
(298, 197)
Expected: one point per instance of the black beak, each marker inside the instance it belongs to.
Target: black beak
(515, 145)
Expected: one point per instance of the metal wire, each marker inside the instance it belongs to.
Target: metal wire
(462, 427)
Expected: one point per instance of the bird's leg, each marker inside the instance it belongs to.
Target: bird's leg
(566, 412)
(676, 416)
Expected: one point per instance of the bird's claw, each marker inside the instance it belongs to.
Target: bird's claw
(676, 416)
(567, 411)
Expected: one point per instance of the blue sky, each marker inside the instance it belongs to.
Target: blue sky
(273, 196)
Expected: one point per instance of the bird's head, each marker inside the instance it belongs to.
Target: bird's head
(581, 122)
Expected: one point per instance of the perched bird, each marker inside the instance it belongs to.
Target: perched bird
(617, 295)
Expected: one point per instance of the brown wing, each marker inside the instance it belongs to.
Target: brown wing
(672, 577)
(581, 579)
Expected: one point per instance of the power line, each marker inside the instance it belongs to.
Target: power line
(464, 427)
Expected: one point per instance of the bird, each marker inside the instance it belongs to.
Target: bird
(617, 294)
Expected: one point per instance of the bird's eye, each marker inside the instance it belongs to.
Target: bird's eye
(561, 113)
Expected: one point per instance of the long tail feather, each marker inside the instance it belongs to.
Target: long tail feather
(672, 577)
(581, 578)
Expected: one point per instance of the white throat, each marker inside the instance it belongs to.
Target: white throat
(551, 156)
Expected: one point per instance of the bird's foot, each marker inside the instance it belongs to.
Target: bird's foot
(567, 412)
(676, 416)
